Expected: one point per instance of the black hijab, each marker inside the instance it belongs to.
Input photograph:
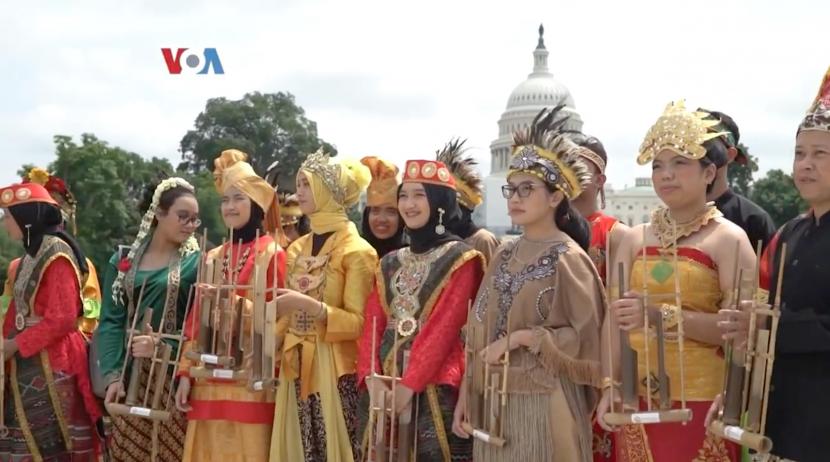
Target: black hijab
(37, 219)
(425, 239)
(382, 246)
(464, 226)
(247, 233)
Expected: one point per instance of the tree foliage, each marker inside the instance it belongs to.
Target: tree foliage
(740, 176)
(777, 194)
(269, 127)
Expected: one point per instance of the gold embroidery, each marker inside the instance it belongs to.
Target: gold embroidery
(664, 226)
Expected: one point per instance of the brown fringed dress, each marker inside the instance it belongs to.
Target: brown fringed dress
(553, 289)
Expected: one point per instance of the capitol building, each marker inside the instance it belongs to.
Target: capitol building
(541, 90)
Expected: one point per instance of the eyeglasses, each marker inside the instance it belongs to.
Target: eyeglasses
(524, 190)
(185, 219)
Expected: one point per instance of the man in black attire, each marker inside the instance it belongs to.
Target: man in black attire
(736, 208)
(799, 402)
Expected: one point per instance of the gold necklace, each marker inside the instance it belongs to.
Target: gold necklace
(668, 233)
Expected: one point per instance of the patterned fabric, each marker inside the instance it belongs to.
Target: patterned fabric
(44, 424)
(674, 441)
(509, 284)
(429, 446)
(133, 437)
(313, 427)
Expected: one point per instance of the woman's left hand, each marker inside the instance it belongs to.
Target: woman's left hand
(494, 352)
(289, 301)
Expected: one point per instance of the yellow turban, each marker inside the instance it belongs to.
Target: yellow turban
(232, 170)
(336, 187)
(383, 189)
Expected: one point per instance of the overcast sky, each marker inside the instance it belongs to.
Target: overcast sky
(399, 79)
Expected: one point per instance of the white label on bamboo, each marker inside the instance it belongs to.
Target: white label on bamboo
(481, 436)
(142, 411)
(733, 432)
(209, 359)
(645, 417)
(222, 374)
(257, 386)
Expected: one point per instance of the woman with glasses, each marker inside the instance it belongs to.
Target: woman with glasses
(162, 259)
(543, 290)
(421, 297)
(226, 420)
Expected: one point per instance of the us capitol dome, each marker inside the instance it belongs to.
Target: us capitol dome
(540, 90)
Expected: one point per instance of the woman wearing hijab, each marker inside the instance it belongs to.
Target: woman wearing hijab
(50, 411)
(227, 421)
(162, 260)
(382, 226)
(330, 275)
(410, 304)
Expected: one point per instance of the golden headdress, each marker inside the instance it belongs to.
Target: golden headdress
(818, 116)
(680, 131)
(345, 179)
(467, 179)
(383, 189)
(544, 149)
(58, 190)
(231, 169)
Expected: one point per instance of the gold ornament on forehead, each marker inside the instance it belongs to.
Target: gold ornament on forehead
(319, 163)
(680, 131)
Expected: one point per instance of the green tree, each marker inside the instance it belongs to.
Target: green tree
(110, 185)
(269, 127)
(740, 176)
(777, 194)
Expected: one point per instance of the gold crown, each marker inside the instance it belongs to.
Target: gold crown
(679, 131)
(319, 163)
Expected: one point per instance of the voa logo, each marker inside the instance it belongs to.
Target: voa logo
(207, 62)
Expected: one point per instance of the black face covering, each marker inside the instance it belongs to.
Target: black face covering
(382, 246)
(425, 239)
(37, 219)
(464, 227)
(247, 233)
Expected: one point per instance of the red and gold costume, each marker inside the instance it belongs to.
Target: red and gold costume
(601, 227)
(410, 297)
(228, 421)
(51, 410)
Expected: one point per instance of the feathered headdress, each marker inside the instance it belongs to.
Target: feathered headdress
(544, 149)
(467, 179)
(818, 116)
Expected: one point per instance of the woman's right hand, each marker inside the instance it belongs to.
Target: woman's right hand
(206, 290)
(183, 395)
(143, 346)
(629, 311)
(115, 390)
(604, 407)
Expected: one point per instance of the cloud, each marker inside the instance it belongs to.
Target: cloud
(398, 80)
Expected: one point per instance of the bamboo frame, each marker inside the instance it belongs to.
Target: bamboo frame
(664, 412)
(741, 417)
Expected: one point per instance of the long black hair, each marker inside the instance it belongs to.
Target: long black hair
(571, 222)
(38, 219)
(382, 246)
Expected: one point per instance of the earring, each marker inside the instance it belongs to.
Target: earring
(602, 198)
(28, 235)
(439, 228)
